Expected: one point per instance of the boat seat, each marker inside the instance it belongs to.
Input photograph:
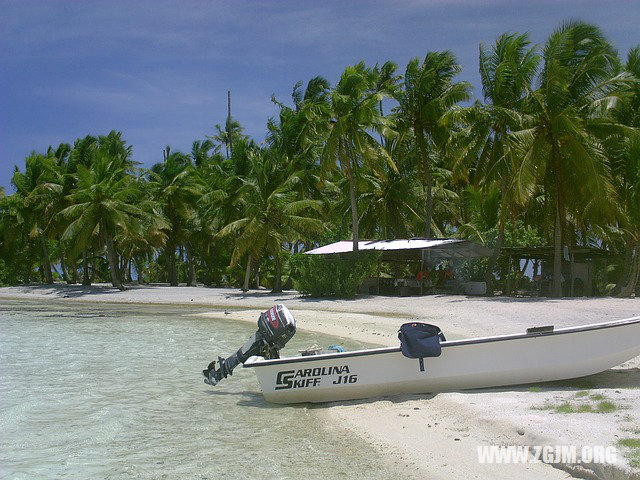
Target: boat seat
(420, 340)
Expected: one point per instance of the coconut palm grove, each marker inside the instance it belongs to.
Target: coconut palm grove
(550, 157)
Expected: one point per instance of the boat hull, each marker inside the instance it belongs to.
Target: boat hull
(463, 364)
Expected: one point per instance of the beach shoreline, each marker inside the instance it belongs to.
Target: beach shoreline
(437, 435)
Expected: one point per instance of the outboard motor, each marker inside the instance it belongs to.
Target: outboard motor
(276, 326)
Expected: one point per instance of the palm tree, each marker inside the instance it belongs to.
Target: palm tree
(221, 181)
(390, 198)
(507, 71)
(104, 202)
(624, 151)
(200, 152)
(214, 208)
(354, 114)
(270, 214)
(569, 113)
(299, 129)
(16, 252)
(228, 135)
(61, 154)
(64, 177)
(315, 92)
(429, 91)
(83, 153)
(138, 245)
(176, 189)
(39, 188)
(115, 147)
(296, 137)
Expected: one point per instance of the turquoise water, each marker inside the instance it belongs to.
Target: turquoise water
(116, 392)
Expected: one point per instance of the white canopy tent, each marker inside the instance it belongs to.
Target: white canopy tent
(425, 251)
(410, 249)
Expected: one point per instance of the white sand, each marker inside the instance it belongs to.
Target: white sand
(436, 436)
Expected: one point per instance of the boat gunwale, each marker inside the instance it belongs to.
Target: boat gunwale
(261, 362)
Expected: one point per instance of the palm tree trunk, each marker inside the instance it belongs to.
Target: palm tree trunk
(277, 286)
(27, 273)
(627, 267)
(382, 142)
(47, 261)
(139, 267)
(354, 212)
(73, 270)
(247, 275)
(229, 126)
(86, 280)
(256, 274)
(120, 267)
(630, 288)
(429, 209)
(424, 171)
(171, 263)
(488, 278)
(210, 264)
(354, 204)
(122, 262)
(113, 265)
(129, 278)
(63, 266)
(191, 272)
(556, 289)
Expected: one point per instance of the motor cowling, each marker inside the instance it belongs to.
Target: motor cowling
(276, 326)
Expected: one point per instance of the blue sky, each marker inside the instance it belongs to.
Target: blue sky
(159, 71)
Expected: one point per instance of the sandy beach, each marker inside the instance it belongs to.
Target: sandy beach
(436, 436)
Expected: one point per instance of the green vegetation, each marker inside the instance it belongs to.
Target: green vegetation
(607, 407)
(603, 406)
(633, 445)
(630, 442)
(548, 156)
(319, 277)
(568, 408)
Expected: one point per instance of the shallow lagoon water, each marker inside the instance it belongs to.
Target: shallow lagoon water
(113, 392)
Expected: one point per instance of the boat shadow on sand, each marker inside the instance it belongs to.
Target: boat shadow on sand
(611, 379)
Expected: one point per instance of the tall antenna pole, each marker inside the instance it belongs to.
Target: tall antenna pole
(229, 136)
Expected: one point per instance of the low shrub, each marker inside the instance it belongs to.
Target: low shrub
(322, 276)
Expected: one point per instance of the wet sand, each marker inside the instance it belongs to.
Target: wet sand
(437, 435)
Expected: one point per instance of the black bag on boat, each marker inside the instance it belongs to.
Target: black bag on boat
(419, 340)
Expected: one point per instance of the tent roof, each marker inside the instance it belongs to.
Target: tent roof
(410, 249)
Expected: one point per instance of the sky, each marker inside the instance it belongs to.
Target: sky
(159, 71)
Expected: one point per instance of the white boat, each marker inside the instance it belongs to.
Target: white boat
(540, 355)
